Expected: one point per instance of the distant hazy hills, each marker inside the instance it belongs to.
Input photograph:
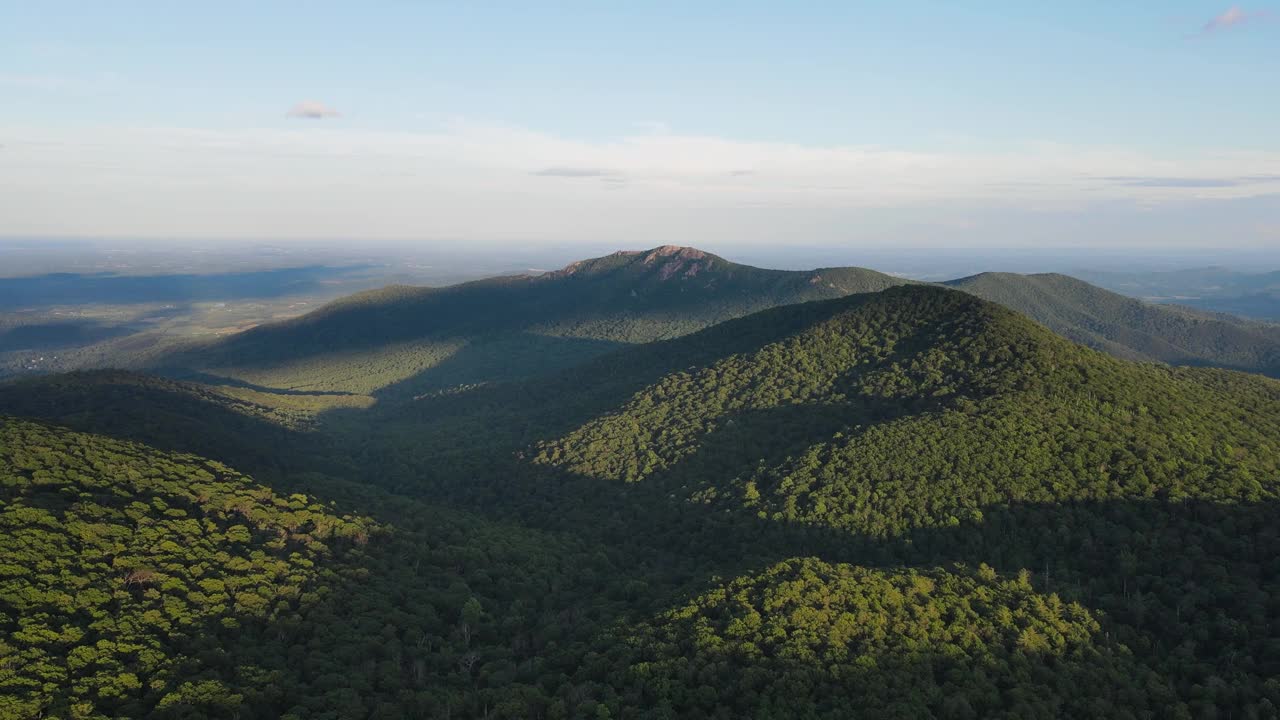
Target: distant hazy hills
(1131, 328)
(404, 341)
(413, 339)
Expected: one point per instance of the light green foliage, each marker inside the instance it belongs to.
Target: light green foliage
(805, 638)
(117, 556)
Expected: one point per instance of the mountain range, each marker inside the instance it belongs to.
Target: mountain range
(735, 493)
(403, 341)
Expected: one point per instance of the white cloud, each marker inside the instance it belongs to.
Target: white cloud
(471, 180)
(1232, 17)
(312, 110)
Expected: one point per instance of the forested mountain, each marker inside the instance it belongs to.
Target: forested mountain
(1130, 328)
(401, 341)
(907, 503)
(405, 340)
(923, 426)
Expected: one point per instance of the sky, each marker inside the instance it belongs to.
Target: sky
(1142, 125)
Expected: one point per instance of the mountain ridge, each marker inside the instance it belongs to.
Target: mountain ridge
(1131, 328)
(545, 321)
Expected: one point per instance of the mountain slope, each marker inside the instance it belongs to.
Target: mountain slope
(921, 424)
(508, 327)
(1131, 328)
(143, 584)
(136, 583)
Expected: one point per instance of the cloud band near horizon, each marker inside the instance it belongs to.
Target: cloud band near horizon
(478, 180)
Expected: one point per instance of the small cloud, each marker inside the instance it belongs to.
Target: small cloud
(1232, 17)
(575, 172)
(1173, 182)
(312, 110)
(741, 173)
(1189, 182)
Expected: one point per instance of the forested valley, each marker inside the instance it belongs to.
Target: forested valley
(876, 499)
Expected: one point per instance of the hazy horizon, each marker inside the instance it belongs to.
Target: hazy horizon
(36, 256)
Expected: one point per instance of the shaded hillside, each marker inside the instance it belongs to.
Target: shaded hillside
(1131, 328)
(137, 583)
(427, 338)
(233, 425)
(920, 423)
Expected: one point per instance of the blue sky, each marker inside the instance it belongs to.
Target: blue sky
(1141, 123)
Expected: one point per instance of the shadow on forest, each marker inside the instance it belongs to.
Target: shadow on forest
(498, 359)
(131, 407)
(1188, 586)
(228, 381)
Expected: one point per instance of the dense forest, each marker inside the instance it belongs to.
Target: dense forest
(904, 503)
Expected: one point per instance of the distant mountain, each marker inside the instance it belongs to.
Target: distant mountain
(1130, 328)
(407, 340)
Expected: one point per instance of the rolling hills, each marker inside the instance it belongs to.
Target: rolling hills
(912, 502)
(401, 342)
(917, 427)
